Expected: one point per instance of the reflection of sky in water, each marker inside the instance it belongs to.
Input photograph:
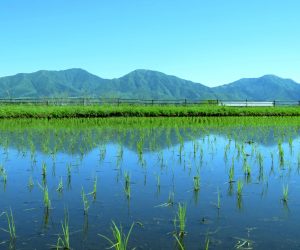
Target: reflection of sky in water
(261, 216)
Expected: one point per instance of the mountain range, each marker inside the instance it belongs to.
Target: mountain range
(142, 84)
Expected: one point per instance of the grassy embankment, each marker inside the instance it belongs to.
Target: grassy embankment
(26, 111)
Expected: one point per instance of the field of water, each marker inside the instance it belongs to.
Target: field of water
(178, 183)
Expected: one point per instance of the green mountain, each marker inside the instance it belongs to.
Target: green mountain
(268, 87)
(77, 83)
(142, 84)
(146, 84)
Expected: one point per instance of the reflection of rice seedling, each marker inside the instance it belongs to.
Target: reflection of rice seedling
(3, 174)
(2, 169)
(285, 193)
(196, 183)
(94, 192)
(240, 186)
(281, 153)
(127, 178)
(85, 202)
(219, 200)
(158, 181)
(260, 160)
(4, 177)
(30, 183)
(60, 186)
(291, 144)
(11, 225)
(181, 218)
(231, 174)
(247, 169)
(69, 170)
(120, 239)
(44, 170)
(171, 199)
(64, 241)
(69, 175)
(127, 184)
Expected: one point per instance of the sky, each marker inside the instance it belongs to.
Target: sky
(212, 42)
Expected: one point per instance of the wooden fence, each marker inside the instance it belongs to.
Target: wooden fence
(120, 101)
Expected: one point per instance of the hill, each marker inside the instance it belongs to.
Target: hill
(268, 88)
(142, 84)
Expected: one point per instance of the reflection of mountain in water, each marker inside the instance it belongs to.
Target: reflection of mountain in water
(154, 134)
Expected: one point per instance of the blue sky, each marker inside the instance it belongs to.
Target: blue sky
(212, 42)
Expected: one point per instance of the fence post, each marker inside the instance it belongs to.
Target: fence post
(152, 102)
(246, 103)
(184, 102)
(274, 103)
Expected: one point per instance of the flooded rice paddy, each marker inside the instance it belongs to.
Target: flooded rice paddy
(178, 183)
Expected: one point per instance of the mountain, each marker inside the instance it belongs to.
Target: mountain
(268, 88)
(142, 84)
(43, 83)
(147, 84)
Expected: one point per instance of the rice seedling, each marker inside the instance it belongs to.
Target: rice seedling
(85, 202)
(231, 174)
(11, 225)
(60, 186)
(181, 219)
(206, 243)
(63, 242)
(47, 202)
(240, 186)
(285, 193)
(44, 170)
(179, 242)
(120, 239)
(196, 181)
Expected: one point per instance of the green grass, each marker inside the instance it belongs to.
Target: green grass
(85, 202)
(63, 242)
(240, 186)
(28, 111)
(120, 239)
(181, 218)
(46, 199)
(196, 180)
(11, 225)
(285, 193)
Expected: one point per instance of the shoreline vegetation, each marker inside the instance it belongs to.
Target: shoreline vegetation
(43, 111)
